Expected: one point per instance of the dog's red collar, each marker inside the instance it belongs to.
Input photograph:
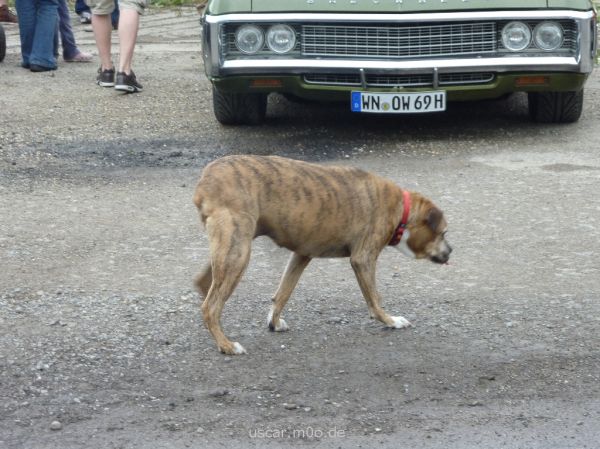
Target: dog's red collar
(402, 226)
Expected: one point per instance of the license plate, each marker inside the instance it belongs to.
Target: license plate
(399, 103)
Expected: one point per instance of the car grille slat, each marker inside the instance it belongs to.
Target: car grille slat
(400, 41)
(384, 80)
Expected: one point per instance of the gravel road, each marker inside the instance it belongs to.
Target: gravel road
(102, 344)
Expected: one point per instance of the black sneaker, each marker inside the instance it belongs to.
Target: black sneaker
(106, 77)
(127, 83)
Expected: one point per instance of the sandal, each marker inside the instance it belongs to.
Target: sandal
(80, 57)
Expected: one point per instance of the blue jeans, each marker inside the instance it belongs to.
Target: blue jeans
(37, 27)
(67, 39)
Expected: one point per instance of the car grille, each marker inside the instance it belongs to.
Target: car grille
(445, 79)
(399, 41)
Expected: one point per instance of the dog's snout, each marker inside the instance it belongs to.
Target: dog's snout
(443, 255)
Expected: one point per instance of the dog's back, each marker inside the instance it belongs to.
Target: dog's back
(304, 207)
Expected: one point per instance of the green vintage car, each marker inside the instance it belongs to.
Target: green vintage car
(398, 56)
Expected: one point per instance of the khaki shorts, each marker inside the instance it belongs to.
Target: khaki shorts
(102, 7)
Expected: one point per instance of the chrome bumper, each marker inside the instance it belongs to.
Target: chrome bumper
(582, 62)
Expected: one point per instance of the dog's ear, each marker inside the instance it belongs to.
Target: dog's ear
(434, 218)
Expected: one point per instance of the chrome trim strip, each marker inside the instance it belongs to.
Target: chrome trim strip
(503, 64)
(405, 17)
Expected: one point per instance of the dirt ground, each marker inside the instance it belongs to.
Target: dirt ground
(102, 343)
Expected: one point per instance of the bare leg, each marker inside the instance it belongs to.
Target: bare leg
(364, 269)
(102, 33)
(293, 271)
(129, 23)
(230, 240)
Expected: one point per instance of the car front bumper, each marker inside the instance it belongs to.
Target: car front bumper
(561, 72)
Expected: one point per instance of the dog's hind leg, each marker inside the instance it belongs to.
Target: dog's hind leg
(364, 269)
(204, 280)
(293, 271)
(230, 239)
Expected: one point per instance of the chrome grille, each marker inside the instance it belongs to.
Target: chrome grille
(399, 41)
(424, 80)
(453, 79)
(334, 80)
(399, 80)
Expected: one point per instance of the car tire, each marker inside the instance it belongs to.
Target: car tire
(239, 108)
(2, 44)
(555, 107)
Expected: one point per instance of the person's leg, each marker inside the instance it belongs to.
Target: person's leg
(102, 33)
(27, 18)
(66, 33)
(128, 29)
(101, 10)
(42, 50)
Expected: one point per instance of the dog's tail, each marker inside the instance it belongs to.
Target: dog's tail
(198, 198)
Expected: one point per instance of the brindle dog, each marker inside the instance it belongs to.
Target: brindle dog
(314, 211)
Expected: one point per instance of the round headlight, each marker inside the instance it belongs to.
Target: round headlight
(249, 39)
(548, 36)
(281, 38)
(516, 36)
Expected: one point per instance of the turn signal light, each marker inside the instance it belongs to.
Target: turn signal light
(266, 82)
(524, 81)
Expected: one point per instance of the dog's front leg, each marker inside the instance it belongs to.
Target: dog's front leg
(364, 269)
(294, 269)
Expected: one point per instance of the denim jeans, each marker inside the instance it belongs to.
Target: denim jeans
(37, 27)
(67, 39)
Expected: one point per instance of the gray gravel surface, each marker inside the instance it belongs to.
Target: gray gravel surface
(102, 343)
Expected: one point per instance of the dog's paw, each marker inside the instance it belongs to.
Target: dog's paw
(238, 348)
(281, 326)
(234, 349)
(400, 322)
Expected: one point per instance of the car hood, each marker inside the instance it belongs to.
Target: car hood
(387, 6)
(390, 5)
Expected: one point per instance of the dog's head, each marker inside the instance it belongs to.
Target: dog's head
(425, 235)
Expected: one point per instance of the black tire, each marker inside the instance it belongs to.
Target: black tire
(555, 107)
(2, 44)
(239, 108)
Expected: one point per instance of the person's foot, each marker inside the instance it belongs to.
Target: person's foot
(40, 68)
(80, 57)
(6, 15)
(85, 17)
(106, 77)
(127, 83)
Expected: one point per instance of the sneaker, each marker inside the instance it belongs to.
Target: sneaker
(85, 18)
(106, 77)
(127, 83)
(6, 15)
